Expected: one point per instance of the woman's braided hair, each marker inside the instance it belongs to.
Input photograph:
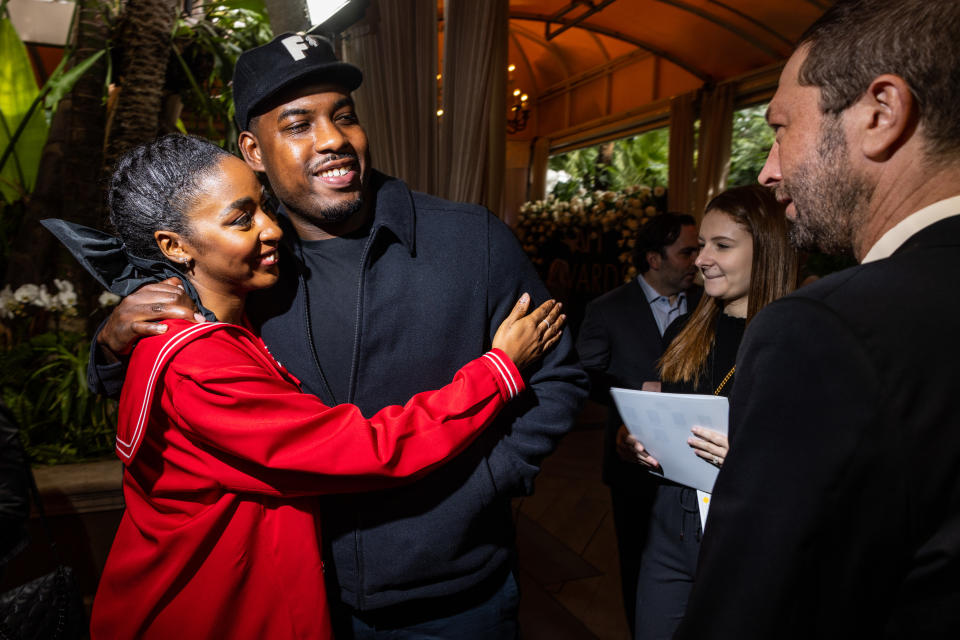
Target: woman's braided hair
(153, 187)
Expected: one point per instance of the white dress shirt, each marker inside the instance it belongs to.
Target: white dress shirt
(901, 232)
(664, 310)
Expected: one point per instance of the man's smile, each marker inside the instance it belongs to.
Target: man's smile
(337, 172)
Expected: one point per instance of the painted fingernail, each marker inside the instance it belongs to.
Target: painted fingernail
(199, 317)
(525, 298)
(161, 328)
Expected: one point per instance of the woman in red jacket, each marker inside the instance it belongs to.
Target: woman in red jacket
(222, 453)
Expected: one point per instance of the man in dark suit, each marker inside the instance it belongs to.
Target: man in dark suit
(619, 345)
(837, 511)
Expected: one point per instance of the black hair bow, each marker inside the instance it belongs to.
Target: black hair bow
(106, 258)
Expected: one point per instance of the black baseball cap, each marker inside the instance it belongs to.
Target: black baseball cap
(263, 71)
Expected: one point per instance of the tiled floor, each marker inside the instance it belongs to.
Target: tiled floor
(569, 578)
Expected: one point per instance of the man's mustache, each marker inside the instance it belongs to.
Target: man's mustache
(330, 157)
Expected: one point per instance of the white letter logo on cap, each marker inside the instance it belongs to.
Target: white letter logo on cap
(296, 46)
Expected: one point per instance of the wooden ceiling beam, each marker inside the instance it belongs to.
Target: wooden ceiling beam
(567, 23)
(593, 73)
(754, 21)
(723, 24)
(536, 38)
(619, 35)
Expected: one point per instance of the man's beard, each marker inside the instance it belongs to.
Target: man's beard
(329, 214)
(339, 212)
(319, 211)
(829, 198)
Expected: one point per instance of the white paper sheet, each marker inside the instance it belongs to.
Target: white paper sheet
(662, 422)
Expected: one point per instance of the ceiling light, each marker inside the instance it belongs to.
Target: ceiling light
(334, 16)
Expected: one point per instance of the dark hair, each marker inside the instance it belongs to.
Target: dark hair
(919, 40)
(773, 274)
(658, 233)
(154, 185)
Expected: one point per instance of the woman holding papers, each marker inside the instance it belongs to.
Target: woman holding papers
(746, 263)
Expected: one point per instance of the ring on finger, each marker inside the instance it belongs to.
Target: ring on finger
(546, 322)
(716, 460)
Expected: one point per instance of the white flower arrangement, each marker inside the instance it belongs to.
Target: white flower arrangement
(65, 300)
(26, 294)
(591, 223)
(62, 301)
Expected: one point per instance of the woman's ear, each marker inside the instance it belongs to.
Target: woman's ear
(173, 247)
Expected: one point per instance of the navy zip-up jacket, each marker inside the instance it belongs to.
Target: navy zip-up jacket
(436, 280)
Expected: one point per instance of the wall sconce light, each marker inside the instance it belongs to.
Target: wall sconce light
(518, 113)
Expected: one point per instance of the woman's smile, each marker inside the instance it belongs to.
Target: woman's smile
(725, 260)
(231, 244)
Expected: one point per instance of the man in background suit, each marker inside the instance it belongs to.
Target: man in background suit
(837, 511)
(619, 345)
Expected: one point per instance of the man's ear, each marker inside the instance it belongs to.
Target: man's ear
(886, 115)
(172, 246)
(654, 259)
(250, 148)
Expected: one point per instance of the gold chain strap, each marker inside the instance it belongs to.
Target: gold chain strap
(725, 380)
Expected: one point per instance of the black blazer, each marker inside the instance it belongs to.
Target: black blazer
(837, 512)
(619, 345)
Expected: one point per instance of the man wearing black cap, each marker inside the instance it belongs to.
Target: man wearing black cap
(383, 293)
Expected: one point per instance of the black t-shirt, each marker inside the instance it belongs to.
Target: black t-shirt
(333, 282)
(720, 360)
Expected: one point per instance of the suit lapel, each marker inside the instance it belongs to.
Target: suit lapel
(648, 331)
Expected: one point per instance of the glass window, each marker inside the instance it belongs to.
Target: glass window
(750, 143)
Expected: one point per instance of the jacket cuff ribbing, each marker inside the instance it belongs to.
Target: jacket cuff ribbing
(508, 377)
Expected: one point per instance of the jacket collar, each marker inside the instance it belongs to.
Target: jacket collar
(942, 233)
(393, 209)
(897, 235)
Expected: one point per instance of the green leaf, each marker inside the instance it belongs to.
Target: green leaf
(751, 141)
(61, 83)
(257, 6)
(18, 93)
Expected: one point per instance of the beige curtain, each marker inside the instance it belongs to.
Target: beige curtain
(473, 127)
(713, 150)
(681, 179)
(396, 48)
